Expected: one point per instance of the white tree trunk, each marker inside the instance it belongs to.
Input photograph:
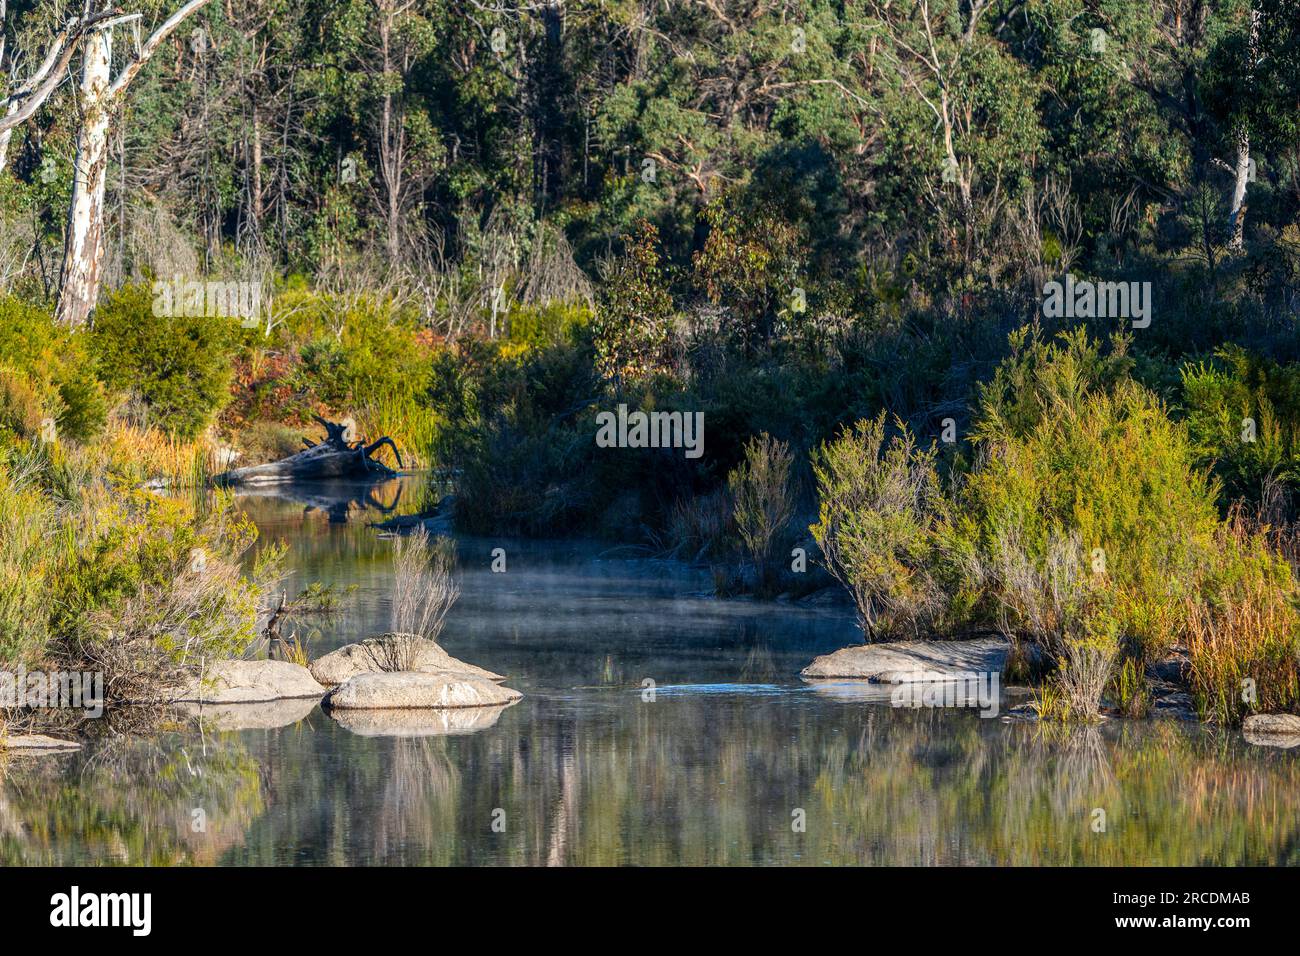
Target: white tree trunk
(83, 246)
(1241, 172)
(83, 250)
(5, 137)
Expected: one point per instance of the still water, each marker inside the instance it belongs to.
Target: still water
(733, 761)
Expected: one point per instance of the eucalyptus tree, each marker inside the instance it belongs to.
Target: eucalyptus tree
(47, 69)
(101, 95)
(960, 112)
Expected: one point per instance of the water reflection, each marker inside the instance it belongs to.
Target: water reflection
(689, 779)
(589, 769)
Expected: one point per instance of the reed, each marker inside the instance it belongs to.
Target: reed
(1243, 631)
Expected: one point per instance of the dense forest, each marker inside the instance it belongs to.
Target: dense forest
(988, 307)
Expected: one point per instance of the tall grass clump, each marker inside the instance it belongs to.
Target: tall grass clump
(412, 424)
(137, 455)
(880, 508)
(26, 519)
(763, 497)
(1243, 633)
(423, 593)
(700, 525)
(1068, 609)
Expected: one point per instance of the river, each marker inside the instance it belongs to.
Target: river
(727, 757)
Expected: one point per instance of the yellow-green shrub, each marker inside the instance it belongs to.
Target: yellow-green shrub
(55, 366)
(880, 507)
(1103, 461)
(21, 409)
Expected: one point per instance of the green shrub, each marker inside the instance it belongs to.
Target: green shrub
(763, 498)
(356, 351)
(181, 367)
(1243, 417)
(880, 510)
(21, 410)
(144, 588)
(94, 576)
(57, 366)
(1098, 458)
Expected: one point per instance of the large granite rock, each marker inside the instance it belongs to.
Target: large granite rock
(419, 722)
(911, 661)
(369, 656)
(249, 682)
(35, 744)
(1272, 730)
(407, 689)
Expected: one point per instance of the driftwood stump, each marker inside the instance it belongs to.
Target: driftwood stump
(337, 456)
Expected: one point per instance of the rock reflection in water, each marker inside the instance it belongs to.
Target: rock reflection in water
(419, 721)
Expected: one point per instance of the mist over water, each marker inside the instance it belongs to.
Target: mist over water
(586, 770)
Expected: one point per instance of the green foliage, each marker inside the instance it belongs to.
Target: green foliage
(56, 366)
(97, 576)
(355, 350)
(180, 367)
(633, 324)
(1079, 456)
(1243, 412)
(880, 512)
(763, 497)
(750, 265)
(551, 324)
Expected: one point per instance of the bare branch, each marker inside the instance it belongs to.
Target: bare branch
(151, 46)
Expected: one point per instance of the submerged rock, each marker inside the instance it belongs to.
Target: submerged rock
(265, 715)
(37, 744)
(406, 689)
(370, 655)
(1272, 730)
(419, 722)
(247, 682)
(912, 661)
(832, 596)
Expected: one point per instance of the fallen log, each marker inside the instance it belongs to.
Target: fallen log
(336, 456)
